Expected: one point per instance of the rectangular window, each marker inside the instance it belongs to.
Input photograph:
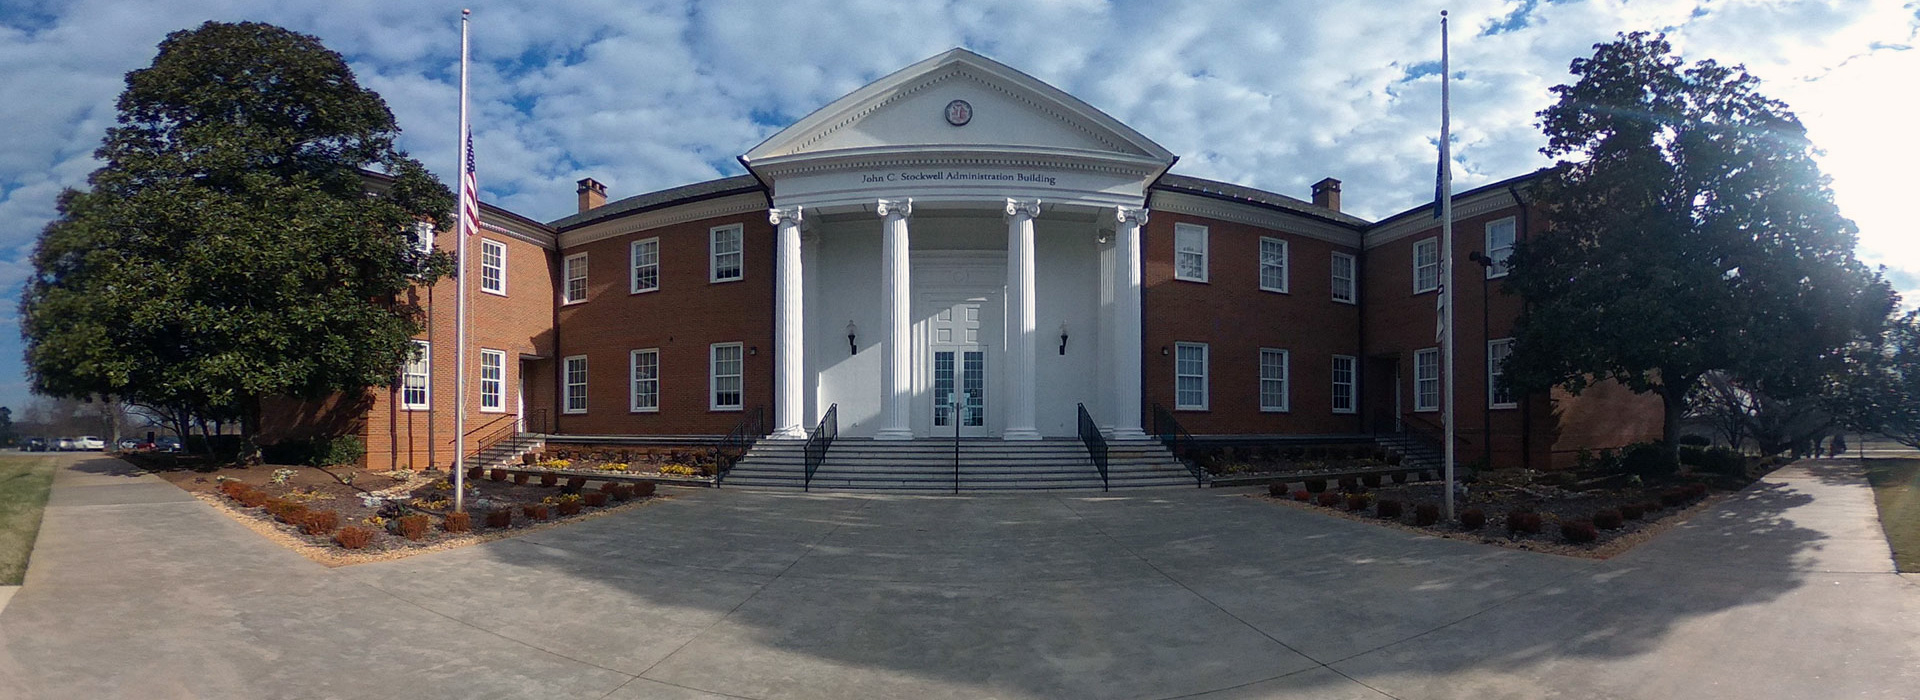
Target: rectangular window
(1343, 265)
(1190, 252)
(728, 262)
(416, 390)
(1343, 383)
(575, 381)
(493, 380)
(646, 265)
(646, 381)
(1273, 264)
(493, 266)
(1273, 380)
(727, 376)
(1426, 380)
(1190, 376)
(576, 269)
(1426, 265)
(423, 237)
(1498, 395)
(1499, 246)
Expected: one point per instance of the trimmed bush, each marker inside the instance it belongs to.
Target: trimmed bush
(1473, 519)
(1578, 531)
(521, 478)
(1316, 485)
(1350, 484)
(320, 523)
(1371, 480)
(497, 474)
(1389, 509)
(1302, 495)
(287, 511)
(568, 507)
(331, 452)
(1329, 499)
(499, 518)
(232, 489)
(1276, 489)
(1630, 511)
(1695, 440)
(1358, 501)
(643, 489)
(352, 537)
(1426, 514)
(1649, 459)
(252, 498)
(459, 522)
(1676, 497)
(623, 492)
(596, 499)
(1523, 522)
(609, 487)
(1399, 477)
(414, 527)
(537, 511)
(575, 483)
(474, 473)
(549, 479)
(1609, 519)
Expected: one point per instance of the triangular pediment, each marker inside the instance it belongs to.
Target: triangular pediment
(909, 108)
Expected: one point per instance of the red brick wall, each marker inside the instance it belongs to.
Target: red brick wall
(1236, 319)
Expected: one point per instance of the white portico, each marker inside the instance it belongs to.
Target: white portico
(958, 229)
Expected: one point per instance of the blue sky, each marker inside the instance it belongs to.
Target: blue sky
(1276, 95)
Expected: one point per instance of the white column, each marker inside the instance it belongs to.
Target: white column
(896, 380)
(789, 325)
(1126, 323)
(1020, 320)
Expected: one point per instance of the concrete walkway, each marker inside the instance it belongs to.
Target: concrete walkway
(1786, 591)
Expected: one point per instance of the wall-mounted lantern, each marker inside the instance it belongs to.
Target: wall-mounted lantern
(853, 334)
(1063, 337)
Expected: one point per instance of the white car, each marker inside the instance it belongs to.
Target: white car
(89, 442)
(64, 445)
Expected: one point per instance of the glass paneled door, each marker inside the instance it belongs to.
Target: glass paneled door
(959, 364)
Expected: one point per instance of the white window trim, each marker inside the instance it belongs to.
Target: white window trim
(1353, 279)
(1206, 263)
(1206, 393)
(713, 255)
(1515, 403)
(713, 377)
(633, 266)
(633, 381)
(501, 406)
(1437, 389)
(1286, 381)
(566, 387)
(1286, 266)
(1501, 262)
(1437, 262)
(422, 237)
(425, 351)
(484, 245)
(1353, 383)
(567, 278)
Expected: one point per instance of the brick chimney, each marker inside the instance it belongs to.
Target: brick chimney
(1326, 193)
(593, 194)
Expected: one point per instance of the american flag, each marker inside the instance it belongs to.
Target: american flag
(469, 193)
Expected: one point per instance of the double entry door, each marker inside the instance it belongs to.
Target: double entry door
(957, 358)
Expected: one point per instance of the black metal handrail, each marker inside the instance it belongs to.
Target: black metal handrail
(819, 441)
(1096, 445)
(1433, 433)
(496, 430)
(734, 446)
(536, 421)
(1177, 440)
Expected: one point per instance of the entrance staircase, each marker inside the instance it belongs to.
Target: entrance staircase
(864, 464)
(1414, 450)
(507, 450)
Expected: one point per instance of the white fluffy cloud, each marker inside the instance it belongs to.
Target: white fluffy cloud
(646, 95)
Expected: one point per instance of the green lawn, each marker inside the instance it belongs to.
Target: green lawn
(1896, 489)
(24, 483)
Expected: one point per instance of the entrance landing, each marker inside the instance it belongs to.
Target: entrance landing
(981, 464)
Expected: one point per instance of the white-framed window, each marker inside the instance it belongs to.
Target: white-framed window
(1426, 380)
(574, 384)
(423, 236)
(493, 381)
(493, 266)
(1190, 376)
(1499, 395)
(729, 263)
(1426, 265)
(1273, 264)
(416, 385)
(728, 378)
(1499, 246)
(1190, 252)
(646, 381)
(645, 256)
(1345, 376)
(1273, 380)
(1343, 269)
(575, 268)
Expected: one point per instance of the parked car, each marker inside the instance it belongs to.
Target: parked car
(128, 444)
(167, 443)
(89, 442)
(34, 445)
(64, 444)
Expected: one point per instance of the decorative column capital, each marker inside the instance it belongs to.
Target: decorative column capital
(1133, 215)
(894, 207)
(782, 215)
(1029, 208)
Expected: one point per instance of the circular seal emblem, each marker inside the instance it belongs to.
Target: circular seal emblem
(959, 112)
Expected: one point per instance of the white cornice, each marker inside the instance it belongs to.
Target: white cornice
(1463, 208)
(535, 237)
(951, 156)
(749, 202)
(1194, 205)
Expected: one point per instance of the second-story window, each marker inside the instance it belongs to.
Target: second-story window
(1343, 266)
(493, 266)
(1273, 264)
(646, 265)
(1426, 265)
(728, 261)
(576, 269)
(1190, 252)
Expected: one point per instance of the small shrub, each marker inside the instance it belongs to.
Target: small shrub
(1316, 485)
(622, 492)
(1358, 501)
(537, 511)
(414, 527)
(1389, 509)
(1523, 522)
(609, 487)
(1695, 440)
(352, 537)
(287, 511)
(574, 484)
(1473, 519)
(459, 522)
(1393, 459)
(1349, 484)
(643, 489)
(330, 452)
(596, 499)
(320, 523)
(1649, 459)
(1276, 489)
(1329, 499)
(521, 478)
(1578, 531)
(1609, 519)
(474, 473)
(1427, 514)
(1399, 477)
(1302, 495)
(549, 479)
(1676, 497)
(1371, 480)
(566, 508)
(1630, 511)
(497, 474)
(233, 489)
(499, 518)
(252, 498)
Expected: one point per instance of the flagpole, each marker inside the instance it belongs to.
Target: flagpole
(1446, 255)
(460, 313)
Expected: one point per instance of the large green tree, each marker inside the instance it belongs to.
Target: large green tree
(237, 244)
(1689, 231)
